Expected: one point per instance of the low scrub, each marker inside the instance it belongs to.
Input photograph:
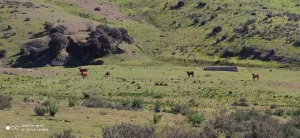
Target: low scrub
(124, 105)
(64, 134)
(5, 102)
(195, 118)
(72, 101)
(128, 131)
(40, 110)
(52, 108)
(248, 123)
(137, 131)
(241, 102)
(180, 109)
(156, 118)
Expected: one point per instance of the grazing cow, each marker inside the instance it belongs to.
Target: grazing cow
(84, 74)
(255, 76)
(107, 74)
(83, 70)
(190, 73)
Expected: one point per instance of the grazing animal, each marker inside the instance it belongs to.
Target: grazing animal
(84, 74)
(107, 74)
(255, 76)
(83, 70)
(190, 73)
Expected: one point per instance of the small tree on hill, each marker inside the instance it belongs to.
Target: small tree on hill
(105, 40)
(57, 43)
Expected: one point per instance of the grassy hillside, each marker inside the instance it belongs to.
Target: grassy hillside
(269, 25)
(166, 34)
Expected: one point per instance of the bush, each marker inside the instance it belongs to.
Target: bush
(195, 118)
(178, 132)
(157, 107)
(72, 101)
(182, 109)
(46, 103)
(137, 104)
(278, 112)
(273, 106)
(128, 131)
(57, 43)
(95, 103)
(5, 102)
(3, 53)
(26, 99)
(241, 102)
(156, 118)
(40, 110)
(52, 108)
(86, 95)
(126, 103)
(48, 26)
(64, 134)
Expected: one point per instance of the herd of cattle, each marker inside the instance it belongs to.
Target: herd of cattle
(84, 73)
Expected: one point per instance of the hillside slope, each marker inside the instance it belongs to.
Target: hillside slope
(195, 32)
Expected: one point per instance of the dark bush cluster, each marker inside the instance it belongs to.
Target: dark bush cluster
(63, 50)
(215, 31)
(201, 5)
(3, 53)
(5, 101)
(58, 42)
(178, 6)
(46, 107)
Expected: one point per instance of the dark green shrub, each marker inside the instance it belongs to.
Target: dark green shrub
(64, 134)
(26, 99)
(40, 110)
(137, 104)
(5, 101)
(46, 103)
(126, 103)
(86, 95)
(156, 118)
(157, 107)
(52, 108)
(195, 118)
(72, 101)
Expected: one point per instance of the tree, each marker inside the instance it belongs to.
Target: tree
(105, 40)
(57, 43)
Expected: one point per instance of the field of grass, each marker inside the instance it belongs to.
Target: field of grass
(209, 91)
(149, 71)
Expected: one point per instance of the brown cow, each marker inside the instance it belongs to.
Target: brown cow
(107, 74)
(83, 70)
(190, 73)
(255, 76)
(84, 74)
